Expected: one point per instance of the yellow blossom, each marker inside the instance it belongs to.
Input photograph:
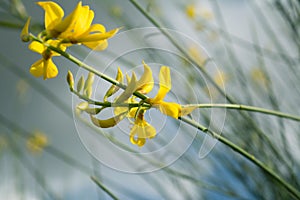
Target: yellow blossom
(259, 76)
(206, 13)
(221, 78)
(141, 131)
(37, 142)
(167, 108)
(190, 11)
(197, 55)
(77, 27)
(45, 66)
(144, 85)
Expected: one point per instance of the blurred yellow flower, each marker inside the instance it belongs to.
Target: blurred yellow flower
(259, 77)
(190, 11)
(141, 131)
(45, 66)
(220, 78)
(37, 142)
(77, 27)
(197, 55)
(116, 11)
(206, 13)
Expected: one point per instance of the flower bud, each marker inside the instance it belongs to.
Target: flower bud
(70, 80)
(25, 37)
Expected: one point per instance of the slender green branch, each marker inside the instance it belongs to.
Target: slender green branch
(244, 153)
(99, 184)
(108, 104)
(8, 24)
(249, 108)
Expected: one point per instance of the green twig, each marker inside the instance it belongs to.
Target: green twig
(249, 108)
(108, 104)
(99, 184)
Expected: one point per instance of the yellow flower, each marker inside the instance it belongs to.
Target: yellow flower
(143, 85)
(77, 27)
(167, 108)
(141, 131)
(190, 11)
(197, 54)
(259, 76)
(54, 22)
(221, 78)
(45, 66)
(37, 142)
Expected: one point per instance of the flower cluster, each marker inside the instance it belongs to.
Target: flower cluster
(136, 109)
(61, 32)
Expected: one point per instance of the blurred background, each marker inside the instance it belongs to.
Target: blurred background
(249, 49)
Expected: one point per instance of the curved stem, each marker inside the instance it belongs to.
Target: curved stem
(244, 153)
(249, 108)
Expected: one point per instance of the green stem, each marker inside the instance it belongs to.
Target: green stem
(244, 153)
(236, 148)
(99, 184)
(108, 104)
(249, 108)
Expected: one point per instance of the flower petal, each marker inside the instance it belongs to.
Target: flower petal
(141, 131)
(129, 90)
(169, 108)
(185, 110)
(107, 123)
(97, 46)
(37, 68)
(53, 13)
(93, 37)
(50, 69)
(113, 88)
(146, 82)
(97, 28)
(36, 47)
(136, 140)
(164, 84)
(83, 22)
(68, 23)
